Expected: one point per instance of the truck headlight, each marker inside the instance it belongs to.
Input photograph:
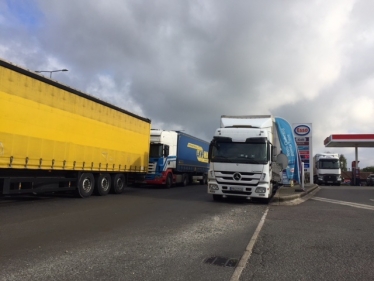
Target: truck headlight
(260, 190)
(213, 186)
(320, 177)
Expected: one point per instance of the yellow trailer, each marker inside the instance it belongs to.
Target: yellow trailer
(53, 137)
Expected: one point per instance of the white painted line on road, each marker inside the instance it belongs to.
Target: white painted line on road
(351, 204)
(248, 251)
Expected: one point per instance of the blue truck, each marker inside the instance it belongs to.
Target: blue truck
(176, 158)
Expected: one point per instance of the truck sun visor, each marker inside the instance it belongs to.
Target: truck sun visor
(222, 139)
(256, 140)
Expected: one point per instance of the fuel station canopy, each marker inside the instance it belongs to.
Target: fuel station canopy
(350, 140)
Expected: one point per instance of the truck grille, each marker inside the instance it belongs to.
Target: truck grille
(329, 178)
(152, 168)
(237, 179)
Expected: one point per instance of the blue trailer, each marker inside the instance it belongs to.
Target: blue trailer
(176, 158)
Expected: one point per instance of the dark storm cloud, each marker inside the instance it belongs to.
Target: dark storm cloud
(185, 63)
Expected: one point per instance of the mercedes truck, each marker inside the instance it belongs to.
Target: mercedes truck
(245, 158)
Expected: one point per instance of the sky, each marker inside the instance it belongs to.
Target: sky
(184, 63)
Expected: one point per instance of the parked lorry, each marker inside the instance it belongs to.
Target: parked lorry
(327, 169)
(244, 158)
(176, 158)
(55, 138)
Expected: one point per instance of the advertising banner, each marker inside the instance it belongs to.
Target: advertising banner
(288, 146)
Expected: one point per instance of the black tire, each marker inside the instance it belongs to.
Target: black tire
(217, 197)
(204, 180)
(85, 185)
(265, 200)
(118, 183)
(103, 184)
(185, 180)
(275, 189)
(169, 181)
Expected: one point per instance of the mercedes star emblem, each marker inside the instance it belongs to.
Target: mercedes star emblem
(237, 176)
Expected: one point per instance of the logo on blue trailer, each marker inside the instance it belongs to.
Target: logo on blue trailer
(201, 155)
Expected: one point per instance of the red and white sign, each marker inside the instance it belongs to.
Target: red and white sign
(301, 130)
(303, 139)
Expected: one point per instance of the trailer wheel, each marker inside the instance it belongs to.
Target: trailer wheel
(118, 183)
(102, 184)
(169, 181)
(85, 185)
(185, 180)
(204, 180)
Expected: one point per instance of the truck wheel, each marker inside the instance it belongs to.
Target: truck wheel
(265, 200)
(85, 185)
(275, 189)
(118, 183)
(217, 197)
(203, 181)
(185, 180)
(102, 184)
(169, 181)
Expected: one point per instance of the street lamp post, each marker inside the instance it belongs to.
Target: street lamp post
(50, 71)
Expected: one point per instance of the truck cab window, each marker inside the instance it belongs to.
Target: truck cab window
(155, 150)
(241, 152)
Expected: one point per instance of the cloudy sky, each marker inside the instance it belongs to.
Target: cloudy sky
(184, 63)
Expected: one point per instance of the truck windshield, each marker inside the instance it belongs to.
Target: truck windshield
(329, 164)
(155, 150)
(243, 152)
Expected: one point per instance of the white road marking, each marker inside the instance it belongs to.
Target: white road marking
(351, 204)
(248, 251)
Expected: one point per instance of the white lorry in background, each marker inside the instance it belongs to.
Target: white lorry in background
(327, 169)
(244, 158)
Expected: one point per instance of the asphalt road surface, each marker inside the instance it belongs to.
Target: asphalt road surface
(181, 234)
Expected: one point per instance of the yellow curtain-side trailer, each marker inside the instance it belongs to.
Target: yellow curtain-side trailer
(56, 138)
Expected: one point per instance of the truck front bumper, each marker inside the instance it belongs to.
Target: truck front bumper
(260, 191)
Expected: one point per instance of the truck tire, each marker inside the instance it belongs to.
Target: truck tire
(203, 181)
(118, 183)
(169, 181)
(102, 184)
(85, 185)
(185, 180)
(265, 200)
(217, 197)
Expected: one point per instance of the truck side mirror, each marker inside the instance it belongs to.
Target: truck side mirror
(166, 151)
(282, 160)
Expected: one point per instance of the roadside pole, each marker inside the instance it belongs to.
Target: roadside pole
(302, 176)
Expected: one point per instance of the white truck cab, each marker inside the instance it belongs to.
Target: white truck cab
(243, 156)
